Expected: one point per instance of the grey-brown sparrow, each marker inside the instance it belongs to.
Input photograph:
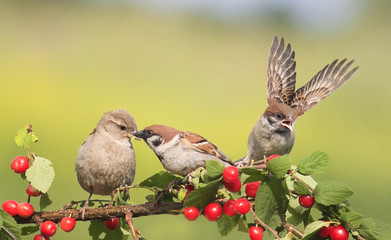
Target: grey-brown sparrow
(106, 160)
(274, 132)
(181, 152)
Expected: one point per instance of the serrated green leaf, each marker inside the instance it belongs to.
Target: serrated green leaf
(312, 228)
(25, 137)
(293, 216)
(279, 166)
(318, 162)
(160, 180)
(98, 231)
(226, 224)
(266, 206)
(252, 175)
(331, 192)
(1, 221)
(242, 224)
(40, 174)
(301, 189)
(214, 169)
(351, 220)
(44, 201)
(10, 229)
(306, 179)
(200, 197)
(373, 229)
(27, 230)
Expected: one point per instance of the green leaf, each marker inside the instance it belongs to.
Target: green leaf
(214, 169)
(27, 230)
(10, 229)
(312, 228)
(251, 171)
(40, 174)
(226, 224)
(44, 201)
(279, 166)
(181, 194)
(125, 232)
(351, 220)
(25, 137)
(331, 192)
(373, 229)
(266, 206)
(242, 224)
(98, 231)
(200, 197)
(160, 180)
(301, 189)
(318, 162)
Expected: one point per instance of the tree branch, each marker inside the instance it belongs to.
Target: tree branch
(101, 214)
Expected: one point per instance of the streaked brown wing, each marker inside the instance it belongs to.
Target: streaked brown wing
(326, 81)
(281, 72)
(202, 145)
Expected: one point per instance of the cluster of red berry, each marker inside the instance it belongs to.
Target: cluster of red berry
(214, 210)
(19, 165)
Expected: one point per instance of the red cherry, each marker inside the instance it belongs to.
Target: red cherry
(256, 233)
(111, 223)
(20, 164)
(271, 157)
(41, 237)
(252, 188)
(191, 213)
(241, 206)
(25, 210)
(306, 201)
(48, 228)
(213, 211)
(67, 224)
(228, 208)
(230, 174)
(324, 232)
(10, 207)
(31, 191)
(339, 233)
(234, 186)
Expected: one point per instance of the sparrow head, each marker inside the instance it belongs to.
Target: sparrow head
(118, 123)
(280, 116)
(155, 135)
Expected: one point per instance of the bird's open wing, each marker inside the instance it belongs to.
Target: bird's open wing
(326, 81)
(281, 72)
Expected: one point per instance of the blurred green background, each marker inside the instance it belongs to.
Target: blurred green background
(62, 65)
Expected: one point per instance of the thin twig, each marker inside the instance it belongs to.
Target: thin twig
(290, 228)
(128, 219)
(256, 219)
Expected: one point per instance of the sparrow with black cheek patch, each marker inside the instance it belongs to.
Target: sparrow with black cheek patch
(106, 160)
(274, 132)
(181, 152)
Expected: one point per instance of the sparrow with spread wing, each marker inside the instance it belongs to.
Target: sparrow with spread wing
(274, 132)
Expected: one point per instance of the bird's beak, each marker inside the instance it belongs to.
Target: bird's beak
(288, 123)
(139, 134)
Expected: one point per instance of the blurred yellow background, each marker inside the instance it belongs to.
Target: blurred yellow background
(62, 65)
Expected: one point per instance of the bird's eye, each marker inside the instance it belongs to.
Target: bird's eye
(279, 116)
(149, 132)
(122, 127)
